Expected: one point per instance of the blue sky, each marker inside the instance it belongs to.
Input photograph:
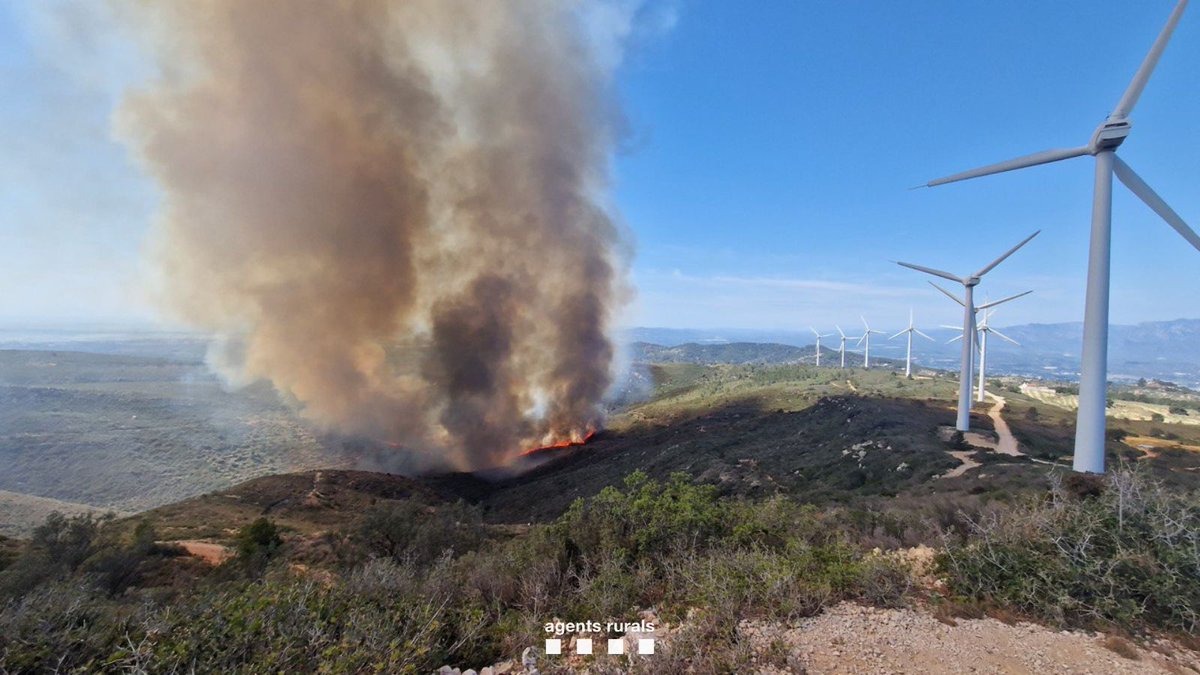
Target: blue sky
(766, 172)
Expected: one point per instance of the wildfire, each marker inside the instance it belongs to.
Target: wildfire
(569, 443)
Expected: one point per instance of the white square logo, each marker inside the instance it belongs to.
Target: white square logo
(583, 646)
(645, 645)
(616, 646)
(553, 646)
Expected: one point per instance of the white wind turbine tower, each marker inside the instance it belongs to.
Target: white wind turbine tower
(981, 343)
(1089, 428)
(866, 337)
(842, 348)
(981, 330)
(819, 336)
(968, 328)
(908, 354)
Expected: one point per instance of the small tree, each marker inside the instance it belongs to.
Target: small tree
(66, 542)
(258, 541)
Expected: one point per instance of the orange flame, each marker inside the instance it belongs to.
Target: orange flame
(569, 443)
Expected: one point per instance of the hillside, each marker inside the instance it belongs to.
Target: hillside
(22, 512)
(760, 517)
(125, 433)
(822, 436)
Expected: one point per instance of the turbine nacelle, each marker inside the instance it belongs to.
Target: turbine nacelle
(1109, 135)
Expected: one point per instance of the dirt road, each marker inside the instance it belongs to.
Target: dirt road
(967, 464)
(849, 638)
(1007, 444)
(213, 554)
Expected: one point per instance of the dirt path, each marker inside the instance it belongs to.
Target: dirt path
(849, 638)
(851, 385)
(1005, 443)
(1149, 446)
(1008, 443)
(963, 456)
(213, 554)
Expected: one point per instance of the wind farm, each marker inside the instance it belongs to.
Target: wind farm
(969, 282)
(1103, 145)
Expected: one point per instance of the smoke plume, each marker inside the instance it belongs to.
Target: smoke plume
(391, 210)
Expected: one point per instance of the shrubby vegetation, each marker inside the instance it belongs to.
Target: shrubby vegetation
(414, 586)
(421, 587)
(1120, 551)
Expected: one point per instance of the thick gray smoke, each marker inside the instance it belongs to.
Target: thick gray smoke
(390, 210)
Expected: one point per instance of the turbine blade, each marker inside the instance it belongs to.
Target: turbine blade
(1130, 97)
(930, 270)
(1010, 251)
(1002, 336)
(864, 320)
(839, 328)
(898, 335)
(945, 325)
(1044, 157)
(922, 335)
(860, 340)
(948, 294)
(1000, 302)
(1139, 187)
(954, 339)
(814, 331)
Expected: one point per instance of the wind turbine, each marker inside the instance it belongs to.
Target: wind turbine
(1089, 427)
(981, 336)
(866, 336)
(819, 336)
(968, 328)
(842, 349)
(908, 354)
(982, 330)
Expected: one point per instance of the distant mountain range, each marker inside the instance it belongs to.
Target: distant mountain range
(1167, 350)
(748, 353)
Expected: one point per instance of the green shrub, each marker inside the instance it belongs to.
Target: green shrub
(58, 548)
(409, 530)
(257, 543)
(66, 542)
(1123, 555)
(646, 518)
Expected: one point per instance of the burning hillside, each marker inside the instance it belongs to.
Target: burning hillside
(343, 179)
